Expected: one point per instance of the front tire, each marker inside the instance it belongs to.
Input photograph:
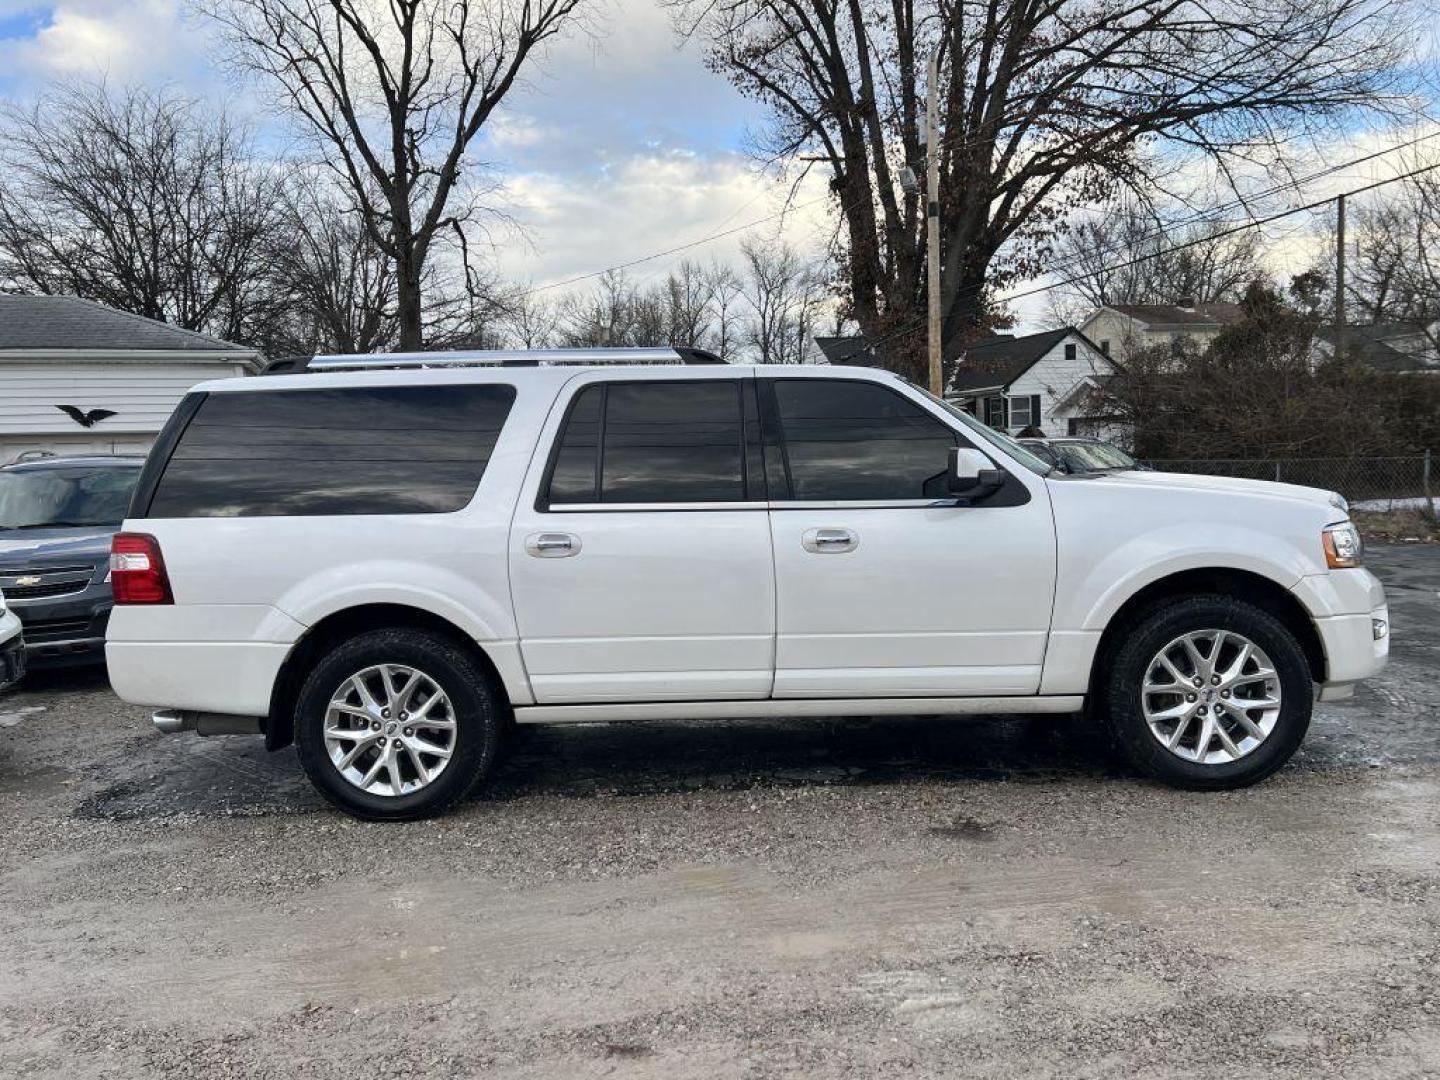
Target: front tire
(1207, 693)
(397, 724)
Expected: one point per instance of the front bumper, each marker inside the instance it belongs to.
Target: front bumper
(1353, 620)
(12, 651)
(69, 630)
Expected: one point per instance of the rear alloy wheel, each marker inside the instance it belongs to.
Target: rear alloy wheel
(390, 730)
(397, 724)
(1209, 693)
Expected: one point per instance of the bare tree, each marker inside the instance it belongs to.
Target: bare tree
(1124, 256)
(610, 314)
(726, 303)
(689, 296)
(1046, 105)
(784, 293)
(1393, 274)
(139, 199)
(339, 287)
(531, 319)
(395, 93)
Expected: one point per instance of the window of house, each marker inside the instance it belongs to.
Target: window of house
(1105, 346)
(844, 440)
(356, 450)
(1070, 352)
(652, 442)
(1020, 413)
(995, 412)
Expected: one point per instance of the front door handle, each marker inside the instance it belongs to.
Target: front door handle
(829, 541)
(550, 545)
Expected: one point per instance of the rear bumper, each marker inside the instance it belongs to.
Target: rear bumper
(206, 677)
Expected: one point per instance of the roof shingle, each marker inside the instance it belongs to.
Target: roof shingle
(68, 322)
(1000, 360)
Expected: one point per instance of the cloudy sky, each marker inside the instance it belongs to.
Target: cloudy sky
(622, 145)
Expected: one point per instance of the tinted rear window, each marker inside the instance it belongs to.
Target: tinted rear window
(358, 450)
(652, 442)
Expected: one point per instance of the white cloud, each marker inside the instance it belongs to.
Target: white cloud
(648, 203)
(92, 38)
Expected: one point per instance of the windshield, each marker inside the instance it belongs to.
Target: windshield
(57, 497)
(1094, 456)
(990, 435)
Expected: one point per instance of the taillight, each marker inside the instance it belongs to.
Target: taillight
(137, 570)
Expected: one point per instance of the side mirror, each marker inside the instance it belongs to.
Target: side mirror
(972, 476)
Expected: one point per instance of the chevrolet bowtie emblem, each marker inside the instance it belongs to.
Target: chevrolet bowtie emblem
(27, 581)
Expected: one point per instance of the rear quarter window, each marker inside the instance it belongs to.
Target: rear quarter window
(354, 450)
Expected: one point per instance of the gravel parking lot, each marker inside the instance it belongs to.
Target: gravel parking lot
(916, 897)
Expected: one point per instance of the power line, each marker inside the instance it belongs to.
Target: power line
(914, 324)
(1209, 213)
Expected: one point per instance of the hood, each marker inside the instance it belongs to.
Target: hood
(1228, 485)
(34, 547)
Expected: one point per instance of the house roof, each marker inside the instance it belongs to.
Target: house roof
(1089, 384)
(57, 323)
(1199, 316)
(1371, 345)
(1000, 360)
(849, 349)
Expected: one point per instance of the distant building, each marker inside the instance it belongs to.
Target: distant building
(1039, 381)
(1011, 383)
(1397, 347)
(80, 377)
(1121, 329)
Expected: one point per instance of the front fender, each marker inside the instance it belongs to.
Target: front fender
(1095, 595)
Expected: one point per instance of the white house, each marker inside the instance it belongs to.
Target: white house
(1120, 329)
(80, 377)
(1036, 381)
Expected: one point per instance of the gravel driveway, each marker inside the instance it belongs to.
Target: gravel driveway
(918, 897)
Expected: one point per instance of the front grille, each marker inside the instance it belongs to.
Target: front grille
(54, 581)
(38, 631)
(54, 588)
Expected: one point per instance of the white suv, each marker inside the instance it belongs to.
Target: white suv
(388, 558)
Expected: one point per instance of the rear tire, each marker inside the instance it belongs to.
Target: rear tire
(1242, 744)
(358, 744)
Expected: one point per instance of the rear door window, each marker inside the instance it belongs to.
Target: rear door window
(653, 442)
(354, 450)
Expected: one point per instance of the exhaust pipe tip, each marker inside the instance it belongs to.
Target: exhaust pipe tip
(173, 721)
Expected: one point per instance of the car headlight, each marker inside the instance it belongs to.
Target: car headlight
(1343, 547)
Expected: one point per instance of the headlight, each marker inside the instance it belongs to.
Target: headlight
(1343, 547)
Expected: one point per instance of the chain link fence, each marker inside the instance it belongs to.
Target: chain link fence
(1376, 483)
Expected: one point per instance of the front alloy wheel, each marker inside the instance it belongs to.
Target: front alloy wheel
(1206, 692)
(1211, 696)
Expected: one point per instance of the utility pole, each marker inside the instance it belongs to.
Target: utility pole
(1340, 277)
(932, 216)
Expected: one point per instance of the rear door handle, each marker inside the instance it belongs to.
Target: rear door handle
(829, 541)
(551, 545)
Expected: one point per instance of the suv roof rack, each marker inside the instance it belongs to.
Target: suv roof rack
(678, 354)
